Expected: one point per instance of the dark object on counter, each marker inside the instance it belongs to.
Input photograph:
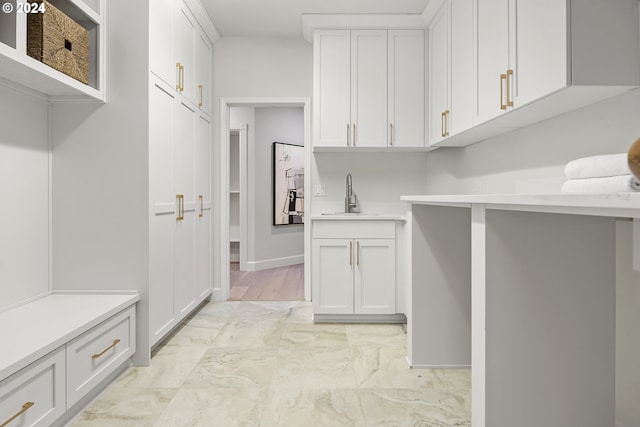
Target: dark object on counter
(634, 158)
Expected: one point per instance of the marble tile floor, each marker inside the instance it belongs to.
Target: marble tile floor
(266, 364)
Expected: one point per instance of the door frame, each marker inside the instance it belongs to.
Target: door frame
(223, 167)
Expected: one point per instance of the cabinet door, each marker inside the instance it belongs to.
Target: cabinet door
(185, 28)
(42, 384)
(375, 276)
(161, 61)
(331, 92)
(332, 276)
(203, 208)
(184, 182)
(204, 72)
(162, 206)
(492, 57)
(406, 98)
(439, 73)
(369, 88)
(461, 72)
(538, 58)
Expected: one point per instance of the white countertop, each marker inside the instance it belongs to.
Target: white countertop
(615, 204)
(341, 216)
(36, 328)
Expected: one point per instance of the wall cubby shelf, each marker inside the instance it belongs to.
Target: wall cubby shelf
(17, 68)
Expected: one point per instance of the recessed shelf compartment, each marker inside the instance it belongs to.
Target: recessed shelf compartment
(16, 67)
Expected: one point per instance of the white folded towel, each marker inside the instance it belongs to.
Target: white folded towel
(603, 185)
(597, 166)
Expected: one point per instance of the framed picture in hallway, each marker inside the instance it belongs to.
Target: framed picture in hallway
(288, 184)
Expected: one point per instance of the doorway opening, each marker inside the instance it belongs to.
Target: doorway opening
(262, 260)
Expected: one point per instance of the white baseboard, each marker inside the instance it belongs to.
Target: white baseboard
(274, 263)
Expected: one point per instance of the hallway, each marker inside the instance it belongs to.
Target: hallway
(275, 284)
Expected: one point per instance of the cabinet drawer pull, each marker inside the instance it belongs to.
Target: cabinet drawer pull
(200, 103)
(180, 200)
(358, 253)
(113, 344)
(350, 253)
(442, 125)
(503, 80)
(446, 123)
(201, 206)
(391, 134)
(182, 78)
(509, 79)
(24, 409)
(353, 140)
(178, 69)
(348, 135)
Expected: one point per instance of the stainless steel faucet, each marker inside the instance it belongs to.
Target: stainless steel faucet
(350, 200)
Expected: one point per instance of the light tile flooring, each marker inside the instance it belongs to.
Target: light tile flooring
(266, 364)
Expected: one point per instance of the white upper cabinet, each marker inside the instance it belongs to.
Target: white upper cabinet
(369, 88)
(185, 28)
(535, 59)
(492, 57)
(204, 72)
(180, 51)
(332, 88)
(161, 60)
(451, 70)
(406, 98)
(438, 73)
(517, 62)
(538, 55)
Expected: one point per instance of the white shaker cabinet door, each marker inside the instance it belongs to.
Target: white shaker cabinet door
(162, 198)
(439, 74)
(461, 70)
(184, 179)
(332, 276)
(161, 59)
(203, 207)
(493, 58)
(539, 50)
(204, 70)
(331, 118)
(185, 29)
(406, 98)
(369, 88)
(375, 276)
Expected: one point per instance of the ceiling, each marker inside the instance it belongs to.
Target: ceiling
(283, 18)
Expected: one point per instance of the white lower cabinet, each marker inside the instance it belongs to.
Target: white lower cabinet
(354, 267)
(93, 356)
(35, 395)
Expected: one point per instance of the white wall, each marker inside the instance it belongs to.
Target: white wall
(379, 179)
(532, 159)
(285, 243)
(255, 67)
(100, 175)
(24, 195)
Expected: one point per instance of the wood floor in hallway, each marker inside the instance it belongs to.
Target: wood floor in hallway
(275, 284)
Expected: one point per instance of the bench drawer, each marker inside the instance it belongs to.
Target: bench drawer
(97, 353)
(35, 395)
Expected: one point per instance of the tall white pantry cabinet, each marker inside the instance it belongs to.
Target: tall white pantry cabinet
(179, 165)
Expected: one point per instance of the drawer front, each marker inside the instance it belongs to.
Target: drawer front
(35, 395)
(98, 352)
(354, 229)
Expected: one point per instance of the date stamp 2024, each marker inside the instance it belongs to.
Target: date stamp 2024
(24, 7)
